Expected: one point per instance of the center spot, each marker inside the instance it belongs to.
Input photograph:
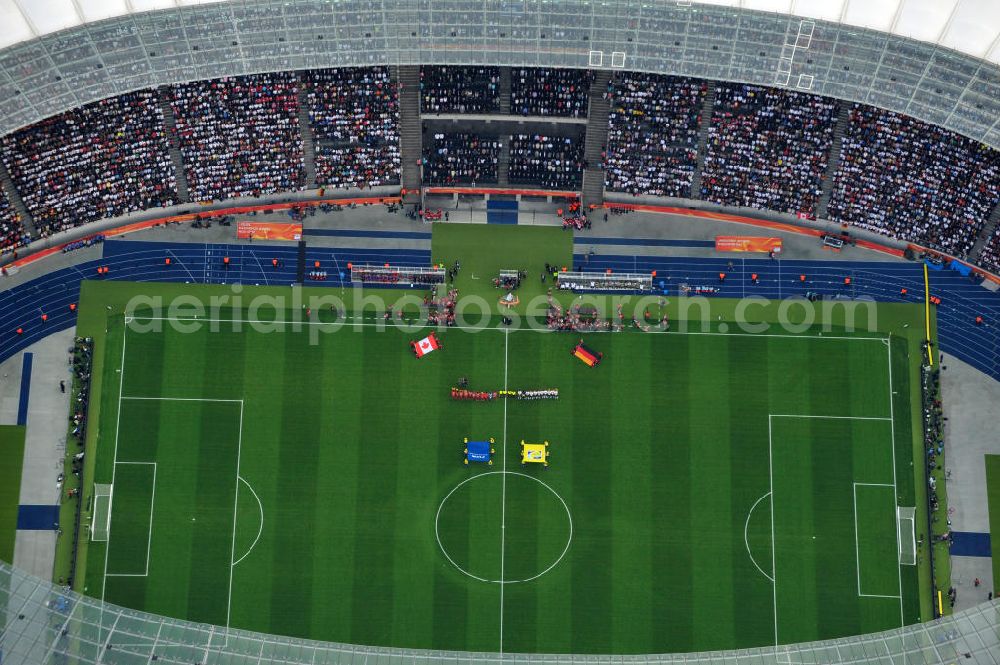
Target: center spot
(527, 520)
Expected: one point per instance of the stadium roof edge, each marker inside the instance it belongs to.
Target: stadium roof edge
(87, 61)
(94, 627)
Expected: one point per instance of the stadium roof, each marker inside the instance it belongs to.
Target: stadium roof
(968, 26)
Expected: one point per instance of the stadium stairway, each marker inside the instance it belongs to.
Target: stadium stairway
(843, 119)
(15, 199)
(984, 236)
(596, 139)
(707, 107)
(503, 162)
(505, 90)
(961, 298)
(308, 138)
(411, 139)
(170, 122)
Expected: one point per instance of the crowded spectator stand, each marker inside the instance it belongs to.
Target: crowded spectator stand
(608, 281)
(451, 158)
(551, 162)
(101, 160)
(354, 117)
(240, 136)
(909, 180)
(768, 148)
(545, 91)
(450, 89)
(653, 127)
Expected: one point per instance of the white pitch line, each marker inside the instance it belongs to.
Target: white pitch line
(260, 529)
(746, 539)
(374, 322)
(796, 415)
(895, 489)
(114, 465)
(236, 498)
(503, 494)
(181, 399)
(149, 539)
(774, 543)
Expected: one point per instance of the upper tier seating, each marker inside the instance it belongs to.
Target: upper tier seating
(354, 114)
(455, 158)
(240, 136)
(102, 160)
(459, 89)
(551, 162)
(913, 181)
(552, 92)
(653, 134)
(768, 148)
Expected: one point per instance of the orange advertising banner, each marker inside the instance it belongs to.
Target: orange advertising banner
(269, 230)
(747, 244)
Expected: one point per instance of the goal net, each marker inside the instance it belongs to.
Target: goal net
(100, 521)
(907, 524)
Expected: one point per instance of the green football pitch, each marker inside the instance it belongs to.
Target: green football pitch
(705, 491)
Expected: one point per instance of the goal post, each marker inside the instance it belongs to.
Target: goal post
(100, 520)
(907, 524)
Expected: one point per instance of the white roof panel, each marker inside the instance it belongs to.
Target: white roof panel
(969, 26)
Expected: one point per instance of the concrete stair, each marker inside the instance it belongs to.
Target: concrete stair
(308, 138)
(984, 236)
(707, 107)
(170, 122)
(505, 90)
(16, 201)
(503, 162)
(411, 140)
(843, 119)
(596, 139)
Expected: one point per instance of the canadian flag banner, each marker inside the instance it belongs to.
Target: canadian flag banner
(425, 346)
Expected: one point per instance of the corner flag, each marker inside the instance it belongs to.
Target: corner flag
(425, 346)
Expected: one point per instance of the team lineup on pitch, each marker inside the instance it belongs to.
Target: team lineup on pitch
(221, 489)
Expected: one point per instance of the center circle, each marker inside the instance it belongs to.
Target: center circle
(503, 527)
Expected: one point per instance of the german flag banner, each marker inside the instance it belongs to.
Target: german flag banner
(588, 357)
(269, 230)
(747, 244)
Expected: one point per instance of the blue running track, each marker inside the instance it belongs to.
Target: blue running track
(962, 299)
